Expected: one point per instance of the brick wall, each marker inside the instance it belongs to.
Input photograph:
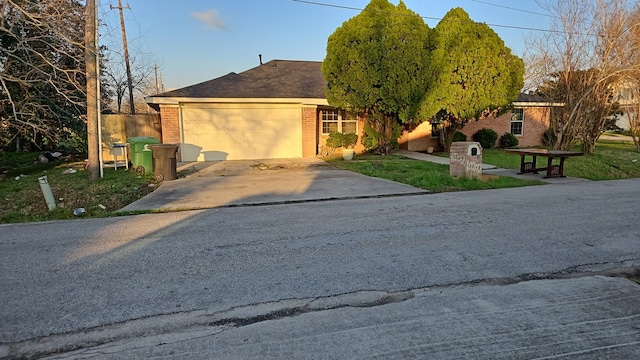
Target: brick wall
(536, 122)
(169, 117)
(418, 138)
(309, 131)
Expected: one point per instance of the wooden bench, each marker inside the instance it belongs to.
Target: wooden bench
(530, 167)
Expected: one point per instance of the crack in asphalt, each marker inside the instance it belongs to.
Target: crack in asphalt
(155, 325)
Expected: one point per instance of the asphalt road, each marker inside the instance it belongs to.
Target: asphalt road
(215, 283)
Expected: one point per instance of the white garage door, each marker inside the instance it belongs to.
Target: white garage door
(239, 132)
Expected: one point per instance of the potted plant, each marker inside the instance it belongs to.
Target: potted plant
(344, 141)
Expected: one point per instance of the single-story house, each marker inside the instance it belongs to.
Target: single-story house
(279, 110)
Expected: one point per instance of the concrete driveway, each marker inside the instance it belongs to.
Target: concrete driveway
(274, 181)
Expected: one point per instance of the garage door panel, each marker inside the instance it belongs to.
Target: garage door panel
(241, 133)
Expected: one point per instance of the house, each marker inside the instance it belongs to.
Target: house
(528, 120)
(279, 110)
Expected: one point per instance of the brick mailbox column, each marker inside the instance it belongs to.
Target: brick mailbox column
(465, 159)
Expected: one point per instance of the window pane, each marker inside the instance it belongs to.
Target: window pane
(349, 127)
(329, 120)
(516, 127)
(518, 115)
(329, 126)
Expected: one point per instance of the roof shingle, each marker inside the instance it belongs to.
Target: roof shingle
(274, 79)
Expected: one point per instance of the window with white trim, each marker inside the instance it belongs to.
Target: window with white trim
(517, 122)
(337, 120)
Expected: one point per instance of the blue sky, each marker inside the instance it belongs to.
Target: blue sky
(198, 40)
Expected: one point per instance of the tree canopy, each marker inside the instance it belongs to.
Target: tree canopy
(378, 64)
(476, 74)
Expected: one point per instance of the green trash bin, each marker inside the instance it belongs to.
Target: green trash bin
(141, 155)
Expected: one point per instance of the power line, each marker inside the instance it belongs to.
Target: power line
(512, 8)
(440, 19)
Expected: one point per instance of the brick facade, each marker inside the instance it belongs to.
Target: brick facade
(536, 122)
(309, 131)
(170, 121)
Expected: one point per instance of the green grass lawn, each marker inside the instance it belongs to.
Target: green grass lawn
(423, 174)
(23, 200)
(613, 160)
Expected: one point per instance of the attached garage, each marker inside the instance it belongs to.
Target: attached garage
(213, 132)
(267, 112)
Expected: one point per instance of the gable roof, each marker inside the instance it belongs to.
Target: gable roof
(274, 79)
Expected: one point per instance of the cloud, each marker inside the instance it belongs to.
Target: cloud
(210, 18)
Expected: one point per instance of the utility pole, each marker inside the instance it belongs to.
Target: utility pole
(91, 71)
(155, 70)
(126, 54)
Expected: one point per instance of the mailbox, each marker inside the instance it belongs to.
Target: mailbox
(465, 159)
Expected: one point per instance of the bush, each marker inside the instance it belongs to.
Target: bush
(458, 136)
(549, 138)
(334, 140)
(337, 139)
(486, 137)
(508, 140)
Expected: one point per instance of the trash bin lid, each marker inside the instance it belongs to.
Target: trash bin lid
(143, 140)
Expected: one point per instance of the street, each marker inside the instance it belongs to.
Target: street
(67, 287)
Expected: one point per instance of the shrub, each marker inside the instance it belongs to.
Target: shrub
(508, 140)
(337, 139)
(349, 140)
(458, 136)
(371, 136)
(486, 137)
(549, 138)
(334, 140)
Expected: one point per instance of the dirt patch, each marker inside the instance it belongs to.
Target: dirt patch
(488, 177)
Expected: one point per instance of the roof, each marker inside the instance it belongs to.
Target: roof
(274, 79)
(531, 98)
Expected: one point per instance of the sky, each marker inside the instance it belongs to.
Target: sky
(192, 41)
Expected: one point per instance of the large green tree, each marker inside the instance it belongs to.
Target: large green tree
(476, 74)
(378, 64)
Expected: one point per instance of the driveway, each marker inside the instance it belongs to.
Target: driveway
(253, 182)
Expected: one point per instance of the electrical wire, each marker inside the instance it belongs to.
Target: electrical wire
(512, 8)
(440, 19)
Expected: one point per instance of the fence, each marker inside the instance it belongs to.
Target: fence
(117, 128)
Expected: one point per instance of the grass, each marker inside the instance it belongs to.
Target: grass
(422, 174)
(23, 200)
(613, 160)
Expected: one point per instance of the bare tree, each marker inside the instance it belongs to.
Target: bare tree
(116, 75)
(42, 82)
(580, 63)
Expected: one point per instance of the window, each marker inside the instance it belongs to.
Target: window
(340, 121)
(435, 130)
(517, 122)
